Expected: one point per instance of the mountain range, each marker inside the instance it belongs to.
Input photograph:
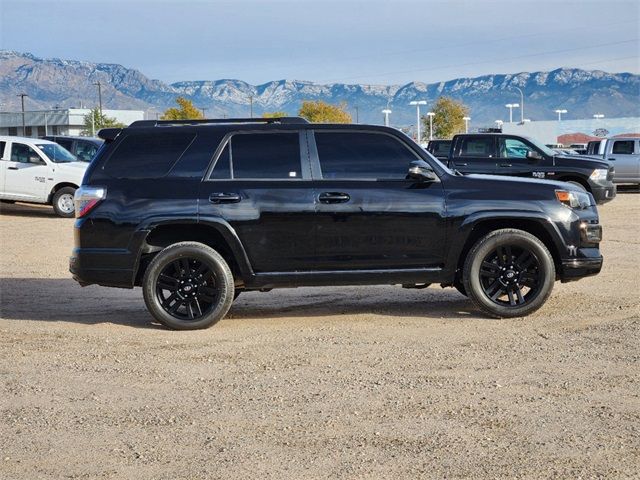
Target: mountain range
(71, 83)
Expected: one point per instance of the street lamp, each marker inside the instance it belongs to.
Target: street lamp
(521, 103)
(598, 116)
(99, 85)
(386, 112)
(511, 106)
(560, 112)
(417, 104)
(22, 95)
(466, 124)
(431, 115)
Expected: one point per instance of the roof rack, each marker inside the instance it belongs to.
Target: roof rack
(208, 121)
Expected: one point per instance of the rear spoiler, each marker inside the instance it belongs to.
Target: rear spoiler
(109, 134)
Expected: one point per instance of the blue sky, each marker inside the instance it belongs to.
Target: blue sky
(380, 42)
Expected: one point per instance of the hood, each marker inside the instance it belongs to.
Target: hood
(525, 181)
(75, 169)
(595, 162)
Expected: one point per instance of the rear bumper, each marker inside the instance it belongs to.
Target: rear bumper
(113, 268)
(603, 193)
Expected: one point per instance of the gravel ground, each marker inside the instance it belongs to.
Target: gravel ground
(362, 382)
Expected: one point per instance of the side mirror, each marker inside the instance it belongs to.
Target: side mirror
(35, 159)
(533, 155)
(420, 170)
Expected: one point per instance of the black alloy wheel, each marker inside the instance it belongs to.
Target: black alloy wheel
(509, 273)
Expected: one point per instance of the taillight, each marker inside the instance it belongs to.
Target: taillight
(86, 199)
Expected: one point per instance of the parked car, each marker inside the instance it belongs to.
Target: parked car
(196, 212)
(624, 154)
(39, 171)
(515, 155)
(439, 148)
(84, 148)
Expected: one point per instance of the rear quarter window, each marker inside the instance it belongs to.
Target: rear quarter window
(147, 155)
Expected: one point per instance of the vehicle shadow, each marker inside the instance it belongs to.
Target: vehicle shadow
(63, 300)
(26, 210)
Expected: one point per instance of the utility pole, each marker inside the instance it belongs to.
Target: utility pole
(250, 106)
(357, 114)
(203, 112)
(99, 85)
(24, 130)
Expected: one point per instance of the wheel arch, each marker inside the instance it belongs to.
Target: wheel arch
(577, 179)
(57, 187)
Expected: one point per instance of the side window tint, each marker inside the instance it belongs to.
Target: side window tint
(65, 143)
(623, 147)
(265, 155)
(512, 148)
(147, 155)
(222, 169)
(477, 147)
(362, 156)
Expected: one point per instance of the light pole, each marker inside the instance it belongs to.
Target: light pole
(511, 106)
(357, 113)
(22, 95)
(598, 116)
(431, 115)
(560, 112)
(250, 106)
(99, 85)
(417, 104)
(386, 113)
(499, 124)
(466, 124)
(203, 110)
(521, 103)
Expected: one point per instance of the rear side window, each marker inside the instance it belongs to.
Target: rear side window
(2, 144)
(440, 148)
(623, 147)
(260, 156)
(477, 147)
(147, 155)
(65, 142)
(362, 156)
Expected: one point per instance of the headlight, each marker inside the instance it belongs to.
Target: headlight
(599, 175)
(577, 200)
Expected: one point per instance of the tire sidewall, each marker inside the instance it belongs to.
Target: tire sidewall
(198, 252)
(488, 244)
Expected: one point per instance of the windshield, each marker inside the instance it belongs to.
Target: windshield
(541, 146)
(56, 153)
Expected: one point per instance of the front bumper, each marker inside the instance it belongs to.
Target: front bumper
(603, 193)
(577, 268)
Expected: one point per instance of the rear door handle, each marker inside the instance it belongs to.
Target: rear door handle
(334, 197)
(221, 197)
(460, 164)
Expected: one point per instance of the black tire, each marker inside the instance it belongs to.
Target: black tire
(577, 184)
(61, 204)
(513, 264)
(188, 286)
(8, 201)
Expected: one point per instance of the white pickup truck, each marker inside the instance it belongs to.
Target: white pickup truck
(39, 171)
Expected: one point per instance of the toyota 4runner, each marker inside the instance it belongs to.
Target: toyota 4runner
(196, 212)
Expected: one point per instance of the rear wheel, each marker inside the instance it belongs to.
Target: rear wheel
(63, 202)
(188, 286)
(509, 273)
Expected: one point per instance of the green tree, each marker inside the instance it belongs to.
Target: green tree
(448, 119)
(322, 112)
(94, 121)
(274, 114)
(186, 111)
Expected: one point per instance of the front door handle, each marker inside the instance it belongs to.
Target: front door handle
(460, 164)
(334, 197)
(612, 159)
(505, 165)
(221, 197)
(12, 168)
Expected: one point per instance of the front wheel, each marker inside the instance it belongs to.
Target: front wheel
(188, 286)
(63, 202)
(509, 273)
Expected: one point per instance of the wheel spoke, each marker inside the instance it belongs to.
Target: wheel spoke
(501, 254)
(519, 294)
(512, 300)
(201, 270)
(166, 282)
(174, 308)
(494, 290)
(197, 304)
(184, 263)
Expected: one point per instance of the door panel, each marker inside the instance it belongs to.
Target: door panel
(24, 179)
(475, 155)
(512, 159)
(625, 157)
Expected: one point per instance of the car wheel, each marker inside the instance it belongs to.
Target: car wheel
(63, 202)
(509, 273)
(188, 286)
(577, 184)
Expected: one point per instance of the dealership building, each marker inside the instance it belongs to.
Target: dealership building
(68, 121)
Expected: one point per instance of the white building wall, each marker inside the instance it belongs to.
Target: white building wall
(549, 131)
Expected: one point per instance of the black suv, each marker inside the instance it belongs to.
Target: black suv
(196, 212)
(84, 148)
(516, 155)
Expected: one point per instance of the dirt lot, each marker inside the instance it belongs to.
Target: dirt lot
(361, 382)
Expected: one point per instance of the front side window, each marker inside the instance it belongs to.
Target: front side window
(24, 154)
(513, 148)
(482, 147)
(623, 147)
(362, 156)
(56, 153)
(258, 156)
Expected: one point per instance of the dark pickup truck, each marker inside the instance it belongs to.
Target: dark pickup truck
(518, 156)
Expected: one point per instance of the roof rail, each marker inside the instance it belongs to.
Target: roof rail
(208, 121)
